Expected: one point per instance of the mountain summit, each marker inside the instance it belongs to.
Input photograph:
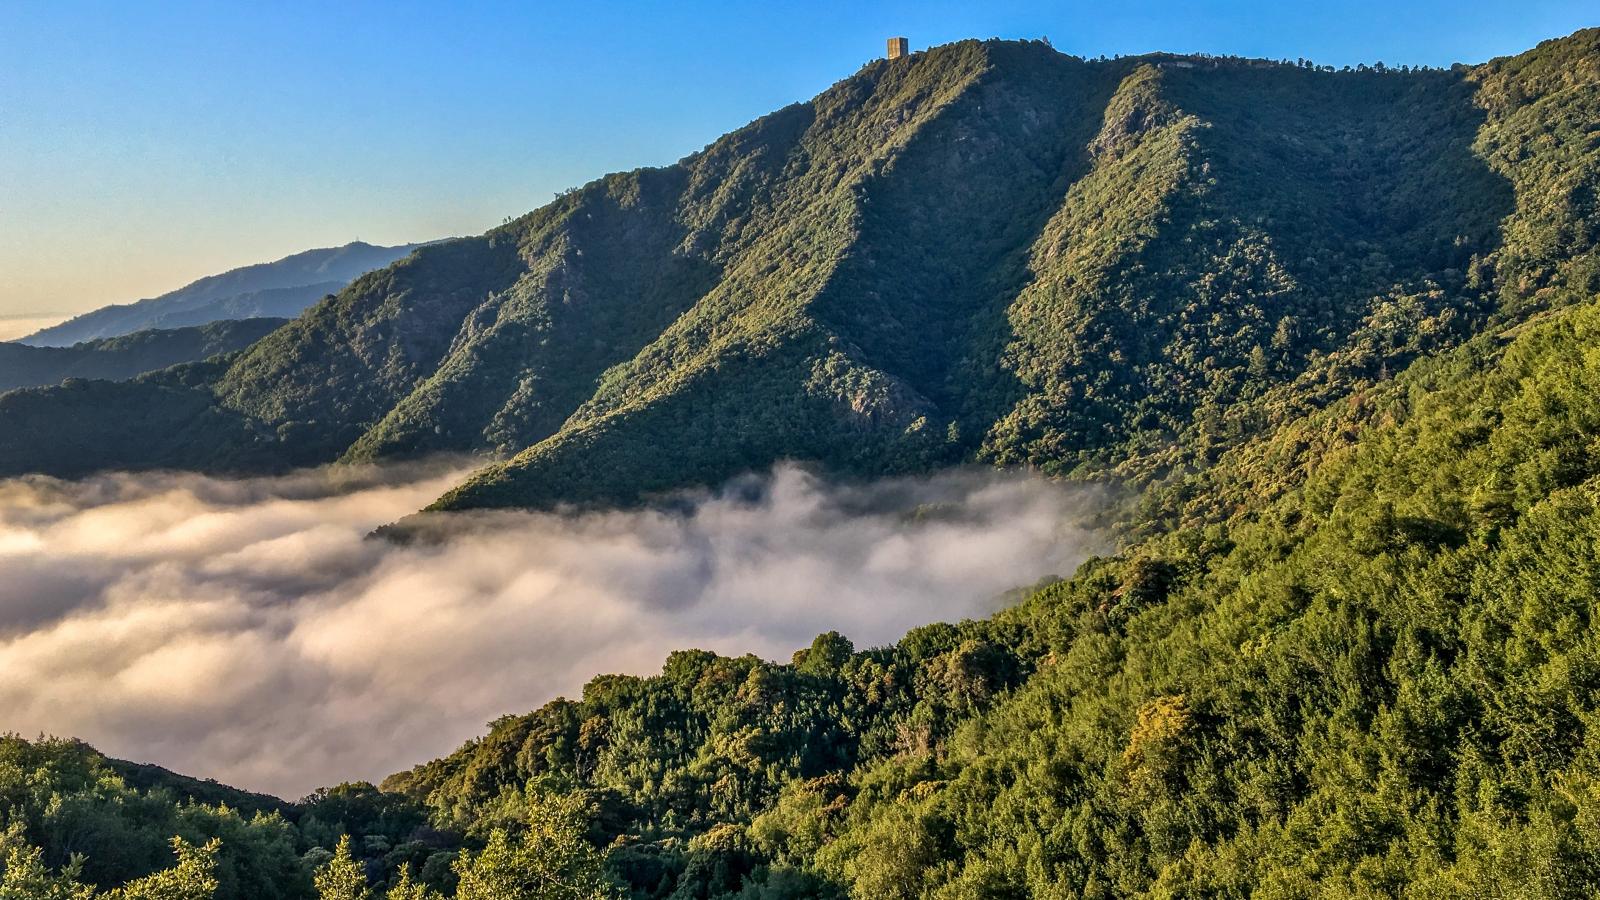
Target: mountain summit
(989, 251)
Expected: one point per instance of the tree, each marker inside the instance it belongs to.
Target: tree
(27, 878)
(193, 878)
(342, 878)
(896, 857)
(551, 861)
(406, 889)
(826, 656)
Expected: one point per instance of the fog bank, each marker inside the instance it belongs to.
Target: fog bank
(248, 631)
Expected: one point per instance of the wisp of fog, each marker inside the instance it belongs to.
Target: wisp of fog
(249, 630)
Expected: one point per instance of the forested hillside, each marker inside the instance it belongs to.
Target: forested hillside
(1373, 677)
(1378, 683)
(121, 358)
(988, 251)
(1338, 332)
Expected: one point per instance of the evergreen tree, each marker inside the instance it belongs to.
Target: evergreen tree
(550, 860)
(342, 878)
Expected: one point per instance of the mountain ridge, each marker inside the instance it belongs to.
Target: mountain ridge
(278, 289)
(1347, 354)
(986, 252)
(126, 356)
(1380, 662)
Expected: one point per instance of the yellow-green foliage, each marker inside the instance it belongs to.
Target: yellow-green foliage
(990, 252)
(1340, 329)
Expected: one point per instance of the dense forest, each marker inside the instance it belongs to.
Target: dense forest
(1338, 334)
(988, 252)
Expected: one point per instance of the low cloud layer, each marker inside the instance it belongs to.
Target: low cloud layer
(248, 631)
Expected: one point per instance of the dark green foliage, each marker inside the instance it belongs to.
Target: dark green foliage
(1374, 680)
(121, 358)
(989, 251)
(321, 381)
(69, 800)
(149, 422)
(1352, 362)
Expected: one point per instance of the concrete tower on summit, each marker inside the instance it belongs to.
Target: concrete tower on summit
(898, 47)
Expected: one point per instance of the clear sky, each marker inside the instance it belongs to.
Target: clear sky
(145, 144)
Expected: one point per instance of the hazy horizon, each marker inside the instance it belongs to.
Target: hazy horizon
(148, 148)
(24, 324)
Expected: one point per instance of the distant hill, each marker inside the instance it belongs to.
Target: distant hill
(279, 289)
(120, 358)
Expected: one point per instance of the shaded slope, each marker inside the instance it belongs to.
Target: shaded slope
(1378, 679)
(1544, 137)
(320, 382)
(165, 419)
(988, 251)
(602, 279)
(772, 326)
(1198, 254)
(120, 358)
(272, 303)
(1240, 226)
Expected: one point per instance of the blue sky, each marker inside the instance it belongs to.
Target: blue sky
(143, 145)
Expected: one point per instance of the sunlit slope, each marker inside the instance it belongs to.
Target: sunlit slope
(1373, 677)
(986, 252)
(1082, 268)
